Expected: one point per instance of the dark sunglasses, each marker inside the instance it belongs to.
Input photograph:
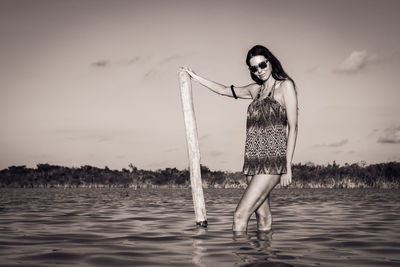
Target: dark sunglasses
(261, 65)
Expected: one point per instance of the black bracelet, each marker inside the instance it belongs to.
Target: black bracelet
(233, 92)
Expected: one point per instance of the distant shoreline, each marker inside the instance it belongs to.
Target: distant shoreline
(382, 175)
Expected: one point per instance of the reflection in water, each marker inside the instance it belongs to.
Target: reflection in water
(199, 249)
(156, 227)
(254, 249)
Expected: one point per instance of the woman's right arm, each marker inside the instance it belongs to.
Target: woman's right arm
(245, 92)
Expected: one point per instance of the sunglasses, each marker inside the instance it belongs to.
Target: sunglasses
(261, 65)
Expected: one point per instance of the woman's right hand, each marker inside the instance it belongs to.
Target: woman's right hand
(189, 71)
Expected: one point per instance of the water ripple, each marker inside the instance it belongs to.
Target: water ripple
(155, 227)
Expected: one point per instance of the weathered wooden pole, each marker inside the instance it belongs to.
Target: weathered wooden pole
(193, 149)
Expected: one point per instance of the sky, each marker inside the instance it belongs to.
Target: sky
(95, 82)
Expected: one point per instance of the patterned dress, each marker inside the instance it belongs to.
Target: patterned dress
(266, 137)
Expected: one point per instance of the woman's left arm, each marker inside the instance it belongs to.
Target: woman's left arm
(290, 97)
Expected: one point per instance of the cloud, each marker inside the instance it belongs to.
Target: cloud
(333, 144)
(155, 71)
(355, 62)
(171, 58)
(133, 60)
(390, 135)
(103, 63)
(100, 64)
(373, 132)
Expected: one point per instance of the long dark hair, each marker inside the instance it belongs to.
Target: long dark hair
(277, 71)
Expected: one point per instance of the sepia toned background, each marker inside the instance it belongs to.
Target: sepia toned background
(95, 82)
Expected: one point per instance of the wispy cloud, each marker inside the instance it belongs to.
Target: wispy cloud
(100, 64)
(355, 62)
(373, 132)
(171, 58)
(132, 60)
(105, 63)
(155, 70)
(390, 135)
(333, 144)
(153, 73)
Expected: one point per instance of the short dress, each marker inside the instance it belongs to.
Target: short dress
(266, 137)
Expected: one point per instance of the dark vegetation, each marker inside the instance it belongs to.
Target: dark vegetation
(382, 175)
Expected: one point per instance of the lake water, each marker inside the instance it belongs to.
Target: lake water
(156, 227)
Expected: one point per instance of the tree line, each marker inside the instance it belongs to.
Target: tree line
(308, 175)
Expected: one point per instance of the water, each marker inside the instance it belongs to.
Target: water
(155, 227)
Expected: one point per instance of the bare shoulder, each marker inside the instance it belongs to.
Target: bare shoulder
(289, 95)
(287, 87)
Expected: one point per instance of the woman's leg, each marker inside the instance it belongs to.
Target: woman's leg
(263, 212)
(256, 193)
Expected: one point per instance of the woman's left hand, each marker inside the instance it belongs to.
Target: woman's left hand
(286, 178)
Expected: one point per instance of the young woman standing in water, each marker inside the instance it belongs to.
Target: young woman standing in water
(270, 135)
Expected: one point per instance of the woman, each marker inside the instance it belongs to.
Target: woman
(270, 136)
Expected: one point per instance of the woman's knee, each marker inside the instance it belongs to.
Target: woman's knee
(240, 215)
(237, 215)
(264, 209)
(262, 213)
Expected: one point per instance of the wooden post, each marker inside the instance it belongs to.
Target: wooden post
(193, 148)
